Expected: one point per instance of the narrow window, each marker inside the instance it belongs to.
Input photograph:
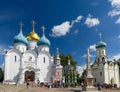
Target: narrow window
(15, 58)
(44, 59)
(95, 79)
(100, 73)
(30, 58)
(103, 52)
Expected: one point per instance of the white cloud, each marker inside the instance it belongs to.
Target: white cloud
(92, 47)
(118, 36)
(76, 31)
(118, 21)
(116, 57)
(61, 30)
(91, 22)
(76, 20)
(114, 12)
(1, 50)
(115, 3)
(64, 28)
(84, 56)
(80, 69)
(116, 9)
(11, 47)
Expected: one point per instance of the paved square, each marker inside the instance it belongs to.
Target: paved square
(23, 88)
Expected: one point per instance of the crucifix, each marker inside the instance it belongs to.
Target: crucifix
(33, 24)
(100, 36)
(21, 24)
(43, 29)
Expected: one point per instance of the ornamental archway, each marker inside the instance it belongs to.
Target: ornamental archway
(29, 76)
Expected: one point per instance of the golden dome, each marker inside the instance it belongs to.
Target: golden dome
(33, 36)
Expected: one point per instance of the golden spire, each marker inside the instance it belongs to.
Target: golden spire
(68, 60)
(33, 25)
(21, 24)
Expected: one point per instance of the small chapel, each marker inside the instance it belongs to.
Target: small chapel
(30, 59)
(104, 70)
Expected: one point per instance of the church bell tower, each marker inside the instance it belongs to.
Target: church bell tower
(101, 50)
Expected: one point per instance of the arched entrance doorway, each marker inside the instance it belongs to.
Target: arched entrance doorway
(29, 75)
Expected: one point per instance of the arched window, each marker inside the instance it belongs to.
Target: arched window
(30, 58)
(102, 52)
(103, 59)
(15, 58)
(100, 73)
(95, 79)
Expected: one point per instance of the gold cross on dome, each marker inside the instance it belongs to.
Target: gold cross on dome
(43, 29)
(21, 24)
(33, 24)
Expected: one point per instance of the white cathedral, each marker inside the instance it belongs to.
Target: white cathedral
(29, 59)
(103, 70)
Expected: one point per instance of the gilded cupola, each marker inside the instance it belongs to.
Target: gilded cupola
(33, 36)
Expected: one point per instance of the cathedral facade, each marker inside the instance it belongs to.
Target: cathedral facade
(103, 70)
(30, 59)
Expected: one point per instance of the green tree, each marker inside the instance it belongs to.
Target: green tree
(64, 60)
(1, 75)
(84, 73)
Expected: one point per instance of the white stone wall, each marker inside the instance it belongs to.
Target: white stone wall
(98, 73)
(43, 48)
(106, 73)
(117, 77)
(44, 63)
(32, 45)
(109, 71)
(19, 60)
(20, 47)
(13, 65)
(29, 59)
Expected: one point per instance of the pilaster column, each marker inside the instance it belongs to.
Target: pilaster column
(37, 73)
(21, 76)
(6, 67)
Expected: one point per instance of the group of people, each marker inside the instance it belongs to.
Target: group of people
(32, 83)
(107, 85)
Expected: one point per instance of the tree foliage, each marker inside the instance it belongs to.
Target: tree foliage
(84, 73)
(1, 75)
(64, 60)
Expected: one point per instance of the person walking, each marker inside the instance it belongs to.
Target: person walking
(27, 84)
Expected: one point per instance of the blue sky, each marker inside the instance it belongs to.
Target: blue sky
(71, 25)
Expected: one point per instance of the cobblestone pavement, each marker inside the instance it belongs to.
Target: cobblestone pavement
(104, 90)
(23, 88)
(11, 88)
